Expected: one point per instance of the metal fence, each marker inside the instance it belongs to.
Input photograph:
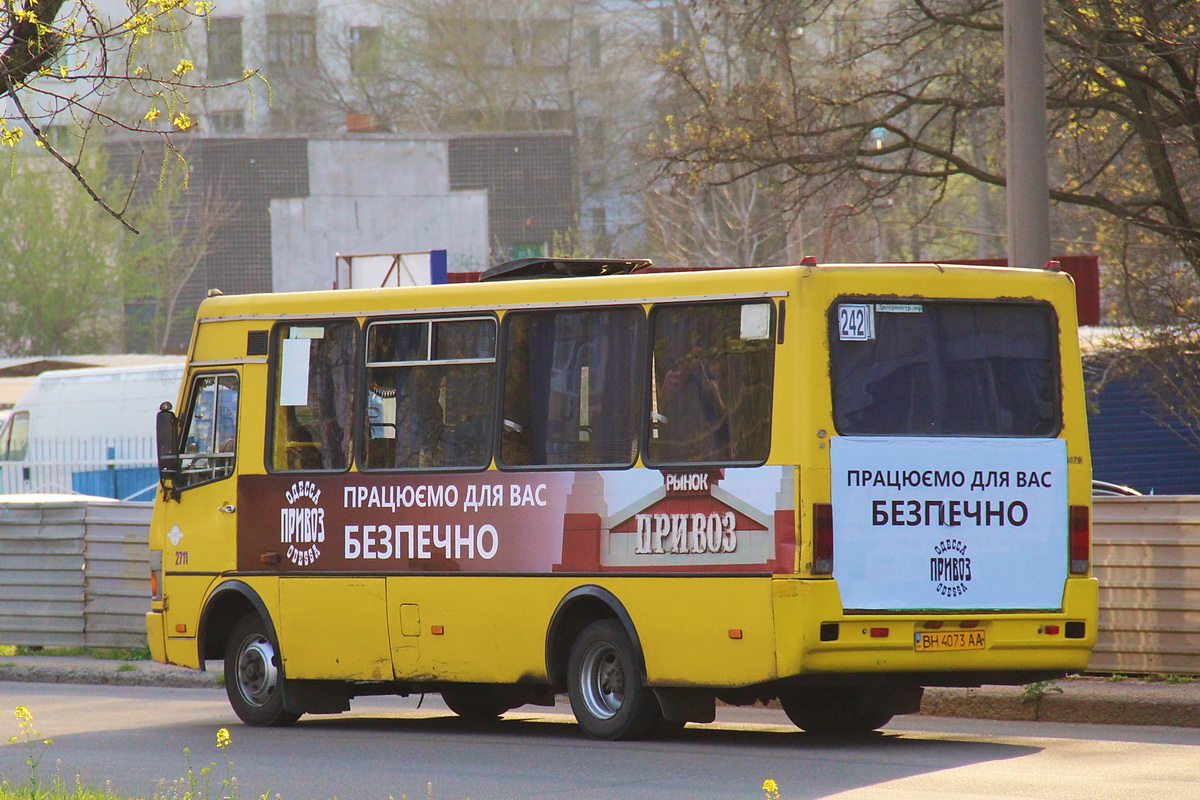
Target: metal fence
(74, 572)
(1147, 556)
(124, 469)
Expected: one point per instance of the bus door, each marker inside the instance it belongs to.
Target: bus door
(331, 618)
(201, 523)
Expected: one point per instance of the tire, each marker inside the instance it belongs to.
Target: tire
(475, 703)
(254, 676)
(833, 711)
(608, 694)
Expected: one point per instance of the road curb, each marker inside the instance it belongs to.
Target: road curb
(38, 669)
(1129, 702)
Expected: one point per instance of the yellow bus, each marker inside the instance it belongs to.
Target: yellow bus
(833, 485)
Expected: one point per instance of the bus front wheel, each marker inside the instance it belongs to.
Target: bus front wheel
(253, 677)
(608, 695)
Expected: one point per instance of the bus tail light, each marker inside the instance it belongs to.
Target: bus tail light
(823, 538)
(156, 566)
(1081, 540)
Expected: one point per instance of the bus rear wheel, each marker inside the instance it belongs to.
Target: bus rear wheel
(475, 703)
(253, 676)
(833, 710)
(608, 695)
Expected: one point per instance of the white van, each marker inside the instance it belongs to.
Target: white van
(87, 431)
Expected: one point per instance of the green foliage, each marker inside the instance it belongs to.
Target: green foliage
(67, 273)
(1173, 678)
(197, 783)
(105, 653)
(1034, 692)
(59, 279)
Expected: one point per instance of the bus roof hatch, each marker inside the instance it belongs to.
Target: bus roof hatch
(526, 268)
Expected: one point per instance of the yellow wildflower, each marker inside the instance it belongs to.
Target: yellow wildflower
(185, 66)
(771, 789)
(152, 115)
(10, 137)
(223, 739)
(181, 120)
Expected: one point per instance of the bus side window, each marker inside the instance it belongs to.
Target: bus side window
(313, 404)
(713, 375)
(209, 438)
(572, 382)
(429, 393)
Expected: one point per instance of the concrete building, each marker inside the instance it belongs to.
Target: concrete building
(293, 203)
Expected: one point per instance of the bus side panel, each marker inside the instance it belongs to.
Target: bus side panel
(702, 631)
(470, 628)
(494, 629)
(334, 628)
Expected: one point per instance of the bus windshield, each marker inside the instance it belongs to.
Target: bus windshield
(944, 368)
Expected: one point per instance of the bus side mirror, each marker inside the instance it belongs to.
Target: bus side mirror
(166, 429)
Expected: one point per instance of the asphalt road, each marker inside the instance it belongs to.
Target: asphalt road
(389, 747)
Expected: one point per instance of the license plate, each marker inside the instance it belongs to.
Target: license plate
(930, 641)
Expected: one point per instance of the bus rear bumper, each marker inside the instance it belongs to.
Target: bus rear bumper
(949, 648)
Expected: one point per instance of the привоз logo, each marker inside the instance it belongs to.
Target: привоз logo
(302, 523)
(949, 568)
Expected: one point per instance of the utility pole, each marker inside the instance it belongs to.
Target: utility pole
(1028, 192)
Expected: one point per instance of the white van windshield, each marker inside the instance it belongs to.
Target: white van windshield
(14, 439)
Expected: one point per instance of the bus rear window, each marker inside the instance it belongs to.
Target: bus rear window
(944, 368)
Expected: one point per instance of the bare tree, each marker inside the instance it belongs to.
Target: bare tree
(875, 97)
(862, 102)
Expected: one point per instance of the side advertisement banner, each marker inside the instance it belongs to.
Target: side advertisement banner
(639, 520)
(939, 523)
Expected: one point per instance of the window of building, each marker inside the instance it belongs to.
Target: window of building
(292, 40)
(430, 388)
(227, 121)
(712, 377)
(944, 368)
(595, 54)
(225, 49)
(572, 387)
(209, 440)
(366, 50)
(313, 395)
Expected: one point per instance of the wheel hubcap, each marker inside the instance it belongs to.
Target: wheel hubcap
(602, 681)
(256, 671)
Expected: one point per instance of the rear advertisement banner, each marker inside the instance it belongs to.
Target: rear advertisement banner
(940, 523)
